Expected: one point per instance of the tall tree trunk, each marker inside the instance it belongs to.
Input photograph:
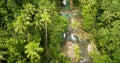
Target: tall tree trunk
(46, 36)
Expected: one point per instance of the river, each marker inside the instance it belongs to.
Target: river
(70, 35)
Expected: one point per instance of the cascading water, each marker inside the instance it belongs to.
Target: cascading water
(70, 35)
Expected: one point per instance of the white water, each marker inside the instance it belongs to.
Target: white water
(70, 36)
(64, 2)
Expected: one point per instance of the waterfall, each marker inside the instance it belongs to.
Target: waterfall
(70, 34)
(64, 2)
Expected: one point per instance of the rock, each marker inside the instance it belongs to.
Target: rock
(70, 51)
(89, 48)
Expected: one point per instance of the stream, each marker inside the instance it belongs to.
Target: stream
(70, 34)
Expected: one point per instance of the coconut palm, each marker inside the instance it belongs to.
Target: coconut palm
(2, 53)
(45, 19)
(33, 50)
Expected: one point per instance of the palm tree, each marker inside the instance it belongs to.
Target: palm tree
(33, 50)
(1, 55)
(45, 19)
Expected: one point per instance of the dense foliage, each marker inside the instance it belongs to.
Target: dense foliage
(102, 19)
(30, 31)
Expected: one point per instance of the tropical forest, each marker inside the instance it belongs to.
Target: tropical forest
(59, 31)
